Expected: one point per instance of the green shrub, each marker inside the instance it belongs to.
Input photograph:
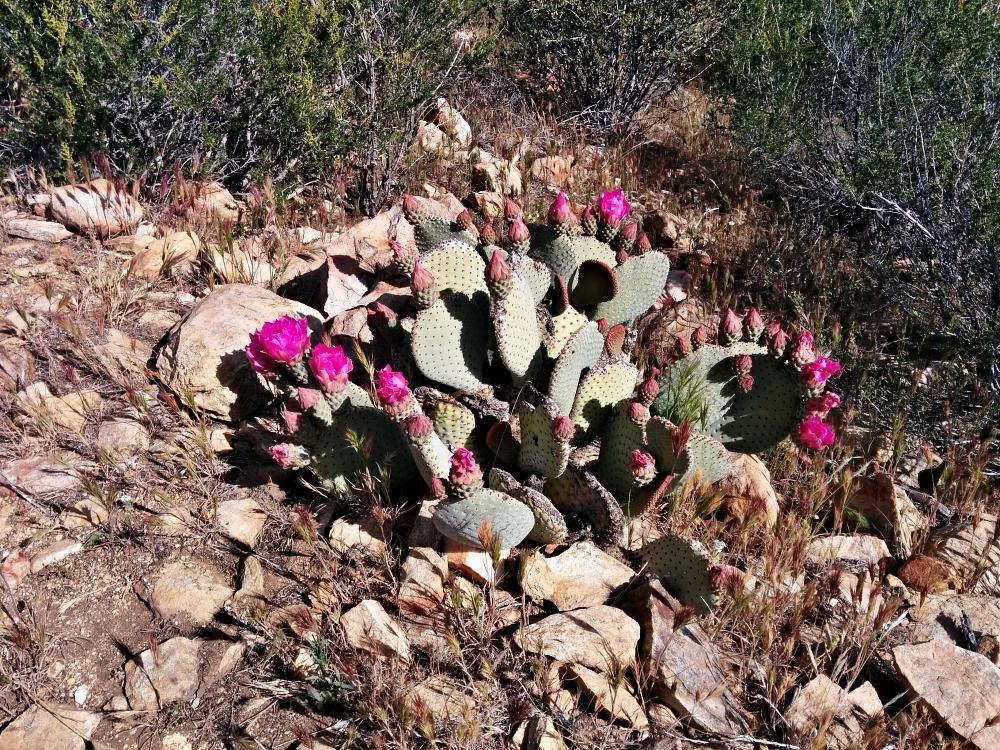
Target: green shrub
(881, 120)
(254, 88)
(606, 63)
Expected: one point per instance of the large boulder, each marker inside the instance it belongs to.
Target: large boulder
(95, 208)
(202, 357)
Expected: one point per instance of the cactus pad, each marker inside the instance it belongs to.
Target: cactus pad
(336, 463)
(564, 325)
(541, 452)
(595, 282)
(453, 422)
(581, 352)
(457, 267)
(577, 491)
(640, 281)
(516, 328)
(620, 437)
(600, 389)
(702, 387)
(684, 568)
(463, 520)
(449, 342)
(536, 274)
(550, 526)
(703, 462)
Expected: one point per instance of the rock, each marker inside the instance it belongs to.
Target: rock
(47, 726)
(70, 411)
(451, 122)
(928, 575)
(167, 674)
(95, 208)
(45, 476)
(202, 357)
(475, 564)
(129, 353)
(684, 664)
(552, 171)
(242, 520)
(15, 568)
(158, 322)
(368, 627)
(748, 491)
(345, 535)
(663, 227)
(661, 719)
(601, 637)
(122, 438)
(441, 698)
(538, 733)
(961, 687)
(972, 550)
(489, 203)
(617, 701)
(430, 139)
(192, 590)
(176, 250)
(424, 533)
(866, 701)
(854, 552)
(888, 510)
(678, 284)
(211, 202)
(86, 513)
(823, 715)
(944, 617)
(175, 741)
(251, 578)
(237, 266)
(424, 574)
(582, 576)
(35, 229)
(55, 553)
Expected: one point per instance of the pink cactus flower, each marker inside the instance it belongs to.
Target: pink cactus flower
(464, 468)
(822, 405)
(308, 397)
(814, 433)
(331, 367)
(641, 464)
(284, 340)
(391, 386)
(289, 456)
(612, 207)
(560, 211)
(814, 374)
(258, 359)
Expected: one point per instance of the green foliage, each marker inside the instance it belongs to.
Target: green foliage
(880, 120)
(606, 63)
(255, 88)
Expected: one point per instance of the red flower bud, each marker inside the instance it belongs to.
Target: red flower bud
(422, 278)
(638, 413)
(498, 270)
(411, 205)
(418, 426)
(742, 364)
(753, 325)
(464, 220)
(510, 208)
(699, 338)
(643, 245)
(745, 383)
(560, 211)
(649, 390)
(563, 428)
(731, 327)
(683, 347)
(519, 233)
(488, 234)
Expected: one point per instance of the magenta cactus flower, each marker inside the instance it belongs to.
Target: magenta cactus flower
(822, 405)
(289, 456)
(814, 374)
(331, 367)
(814, 433)
(391, 386)
(258, 359)
(612, 207)
(284, 341)
(641, 464)
(464, 467)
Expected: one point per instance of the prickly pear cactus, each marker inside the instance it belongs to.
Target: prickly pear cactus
(518, 356)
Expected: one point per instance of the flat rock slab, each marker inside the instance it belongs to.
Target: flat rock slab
(169, 674)
(424, 574)
(854, 551)
(368, 627)
(441, 698)
(242, 520)
(49, 727)
(40, 231)
(686, 669)
(616, 701)
(190, 590)
(582, 576)
(823, 706)
(941, 616)
(122, 438)
(202, 358)
(599, 637)
(961, 687)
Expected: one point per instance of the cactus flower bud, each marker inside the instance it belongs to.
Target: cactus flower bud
(641, 464)
(563, 428)
(638, 413)
(679, 437)
(289, 456)
(683, 346)
(488, 234)
(464, 220)
(510, 209)
(464, 468)
(823, 404)
(742, 364)
(621, 256)
(422, 278)
(777, 340)
(418, 426)
(649, 390)
(498, 270)
(628, 233)
(802, 347)
(699, 338)
(308, 397)
(437, 489)
(726, 578)
(643, 245)
(745, 383)
(560, 212)
(520, 237)
(603, 326)
(411, 206)
(753, 325)
(383, 314)
(588, 220)
(292, 420)
(730, 328)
